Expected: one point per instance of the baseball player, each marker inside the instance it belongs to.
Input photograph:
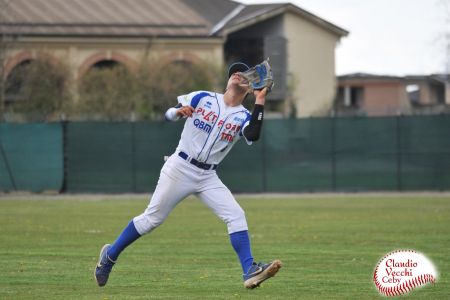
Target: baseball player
(213, 124)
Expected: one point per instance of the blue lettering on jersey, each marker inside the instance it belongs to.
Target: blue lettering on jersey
(202, 125)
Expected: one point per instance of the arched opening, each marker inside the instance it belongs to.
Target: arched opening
(106, 64)
(36, 88)
(106, 91)
(105, 60)
(104, 68)
(16, 82)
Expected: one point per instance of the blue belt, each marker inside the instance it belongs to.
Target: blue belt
(197, 163)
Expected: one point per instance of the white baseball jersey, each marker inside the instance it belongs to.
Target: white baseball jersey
(207, 137)
(214, 127)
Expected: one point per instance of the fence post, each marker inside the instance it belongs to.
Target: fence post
(264, 160)
(399, 152)
(64, 125)
(8, 168)
(133, 156)
(333, 153)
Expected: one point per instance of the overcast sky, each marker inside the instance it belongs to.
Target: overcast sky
(392, 37)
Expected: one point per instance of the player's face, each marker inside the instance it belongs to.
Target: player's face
(236, 78)
(238, 82)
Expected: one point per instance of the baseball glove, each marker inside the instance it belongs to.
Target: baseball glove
(260, 76)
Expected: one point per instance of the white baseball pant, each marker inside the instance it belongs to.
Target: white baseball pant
(179, 179)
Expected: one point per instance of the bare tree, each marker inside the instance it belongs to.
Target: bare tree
(446, 8)
(3, 6)
(7, 39)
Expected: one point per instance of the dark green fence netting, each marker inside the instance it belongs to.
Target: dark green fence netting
(425, 153)
(117, 157)
(298, 155)
(31, 157)
(366, 154)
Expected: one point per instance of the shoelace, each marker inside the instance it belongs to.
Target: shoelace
(260, 264)
(106, 266)
(254, 265)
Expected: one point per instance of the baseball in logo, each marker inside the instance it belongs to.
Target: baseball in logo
(401, 271)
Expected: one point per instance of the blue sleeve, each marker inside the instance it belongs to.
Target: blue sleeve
(245, 123)
(192, 99)
(196, 99)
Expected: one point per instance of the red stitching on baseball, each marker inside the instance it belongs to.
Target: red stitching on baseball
(397, 290)
(403, 289)
(407, 285)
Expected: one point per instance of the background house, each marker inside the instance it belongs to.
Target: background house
(95, 33)
(378, 95)
(429, 94)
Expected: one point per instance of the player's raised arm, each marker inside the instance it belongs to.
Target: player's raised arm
(253, 130)
(179, 111)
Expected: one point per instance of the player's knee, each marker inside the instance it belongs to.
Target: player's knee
(145, 222)
(156, 221)
(237, 222)
(240, 214)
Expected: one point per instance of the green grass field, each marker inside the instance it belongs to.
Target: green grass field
(329, 247)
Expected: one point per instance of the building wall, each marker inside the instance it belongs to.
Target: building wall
(81, 53)
(311, 66)
(431, 91)
(310, 56)
(426, 97)
(447, 93)
(382, 99)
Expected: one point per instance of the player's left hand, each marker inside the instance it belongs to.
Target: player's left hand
(185, 111)
(260, 95)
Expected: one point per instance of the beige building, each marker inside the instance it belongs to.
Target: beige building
(88, 33)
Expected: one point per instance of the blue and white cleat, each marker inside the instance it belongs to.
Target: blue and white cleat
(104, 266)
(259, 272)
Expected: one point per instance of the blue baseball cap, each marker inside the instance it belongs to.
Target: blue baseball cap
(237, 67)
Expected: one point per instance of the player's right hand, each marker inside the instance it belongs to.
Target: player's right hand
(185, 111)
(260, 96)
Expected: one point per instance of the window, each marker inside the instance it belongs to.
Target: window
(350, 96)
(413, 91)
